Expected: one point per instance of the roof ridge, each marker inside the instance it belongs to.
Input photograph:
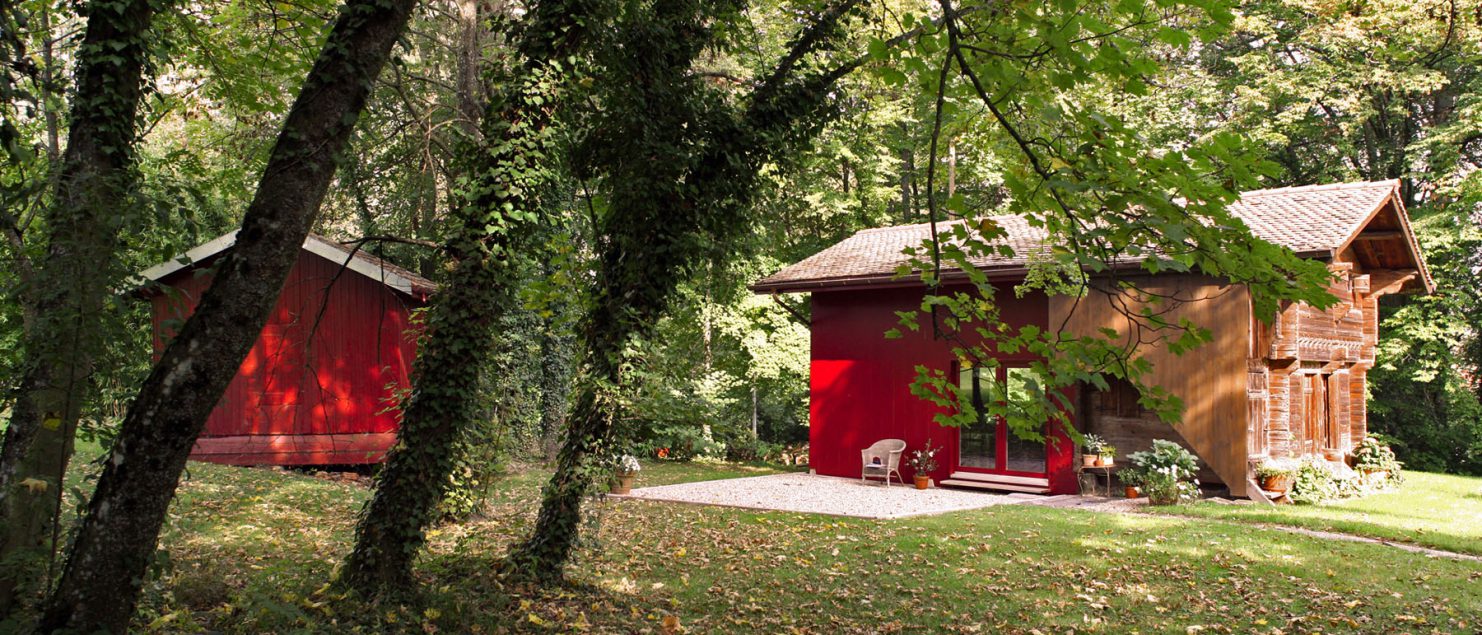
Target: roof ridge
(871, 230)
(1297, 189)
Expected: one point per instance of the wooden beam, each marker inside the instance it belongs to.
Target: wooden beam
(1386, 281)
(1380, 235)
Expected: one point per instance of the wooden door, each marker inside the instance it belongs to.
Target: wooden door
(1316, 411)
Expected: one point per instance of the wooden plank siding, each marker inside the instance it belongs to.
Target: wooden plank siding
(1212, 381)
(319, 384)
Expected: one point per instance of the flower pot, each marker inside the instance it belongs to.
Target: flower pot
(1089, 460)
(623, 484)
(1104, 461)
(922, 481)
(1130, 491)
(1280, 483)
(1333, 455)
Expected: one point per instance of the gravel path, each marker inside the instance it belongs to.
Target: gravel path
(831, 495)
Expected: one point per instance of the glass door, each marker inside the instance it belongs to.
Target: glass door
(988, 445)
(977, 444)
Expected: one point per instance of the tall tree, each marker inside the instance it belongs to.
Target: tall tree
(67, 288)
(106, 565)
(680, 166)
(497, 221)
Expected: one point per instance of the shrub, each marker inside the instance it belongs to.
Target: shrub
(1314, 482)
(1167, 472)
(1372, 455)
(747, 448)
(686, 443)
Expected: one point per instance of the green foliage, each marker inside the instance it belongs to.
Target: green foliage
(1132, 476)
(684, 443)
(1274, 468)
(1106, 194)
(1166, 455)
(1372, 455)
(1315, 482)
(1370, 91)
(744, 448)
(1165, 473)
(1424, 391)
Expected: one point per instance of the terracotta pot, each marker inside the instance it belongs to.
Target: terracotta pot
(1130, 491)
(1280, 483)
(1333, 455)
(1105, 461)
(623, 484)
(1089, 460)
(922, 481)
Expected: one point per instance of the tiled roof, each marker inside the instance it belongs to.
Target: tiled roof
(1311, 220)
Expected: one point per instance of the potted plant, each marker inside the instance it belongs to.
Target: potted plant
(923, 462)
(1093, 445)
(1106, 455)
(627, 470)
(1376, 461)
(1276, 475)
(1132, 479)
(1167, 473)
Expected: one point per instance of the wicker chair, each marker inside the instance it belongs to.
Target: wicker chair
(882, 459)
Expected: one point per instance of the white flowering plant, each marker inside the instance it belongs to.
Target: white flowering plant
(1167, 472)
(628, 464)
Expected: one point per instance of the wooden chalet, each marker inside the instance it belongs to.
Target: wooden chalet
(316, 387)
(1292, 387)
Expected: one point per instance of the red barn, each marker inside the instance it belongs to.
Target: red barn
(1292, 387)
(317, 386)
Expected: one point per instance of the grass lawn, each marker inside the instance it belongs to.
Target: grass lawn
(1432, 510)
(251, 550)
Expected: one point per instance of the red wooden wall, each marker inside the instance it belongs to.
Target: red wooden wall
(295, 402)
(860, 381)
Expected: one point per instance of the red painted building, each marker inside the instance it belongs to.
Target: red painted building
(317, 387)
(860, 393)
(1290, 387)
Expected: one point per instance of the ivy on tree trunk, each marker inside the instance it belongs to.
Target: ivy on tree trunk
(116, 541)
(498, 220)
(66, 291)
(681, 168)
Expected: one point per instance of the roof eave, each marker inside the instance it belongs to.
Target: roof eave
(411, 287)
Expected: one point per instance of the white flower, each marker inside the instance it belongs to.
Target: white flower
(628, 464)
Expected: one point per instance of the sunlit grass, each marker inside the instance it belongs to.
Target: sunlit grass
(1433, 510)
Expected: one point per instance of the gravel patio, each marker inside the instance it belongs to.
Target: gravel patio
(814, 494)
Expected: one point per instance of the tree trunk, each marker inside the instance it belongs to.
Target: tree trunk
(497, 222)
(101, 582)
(469, 67)
(68, 287)
(657, 209)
